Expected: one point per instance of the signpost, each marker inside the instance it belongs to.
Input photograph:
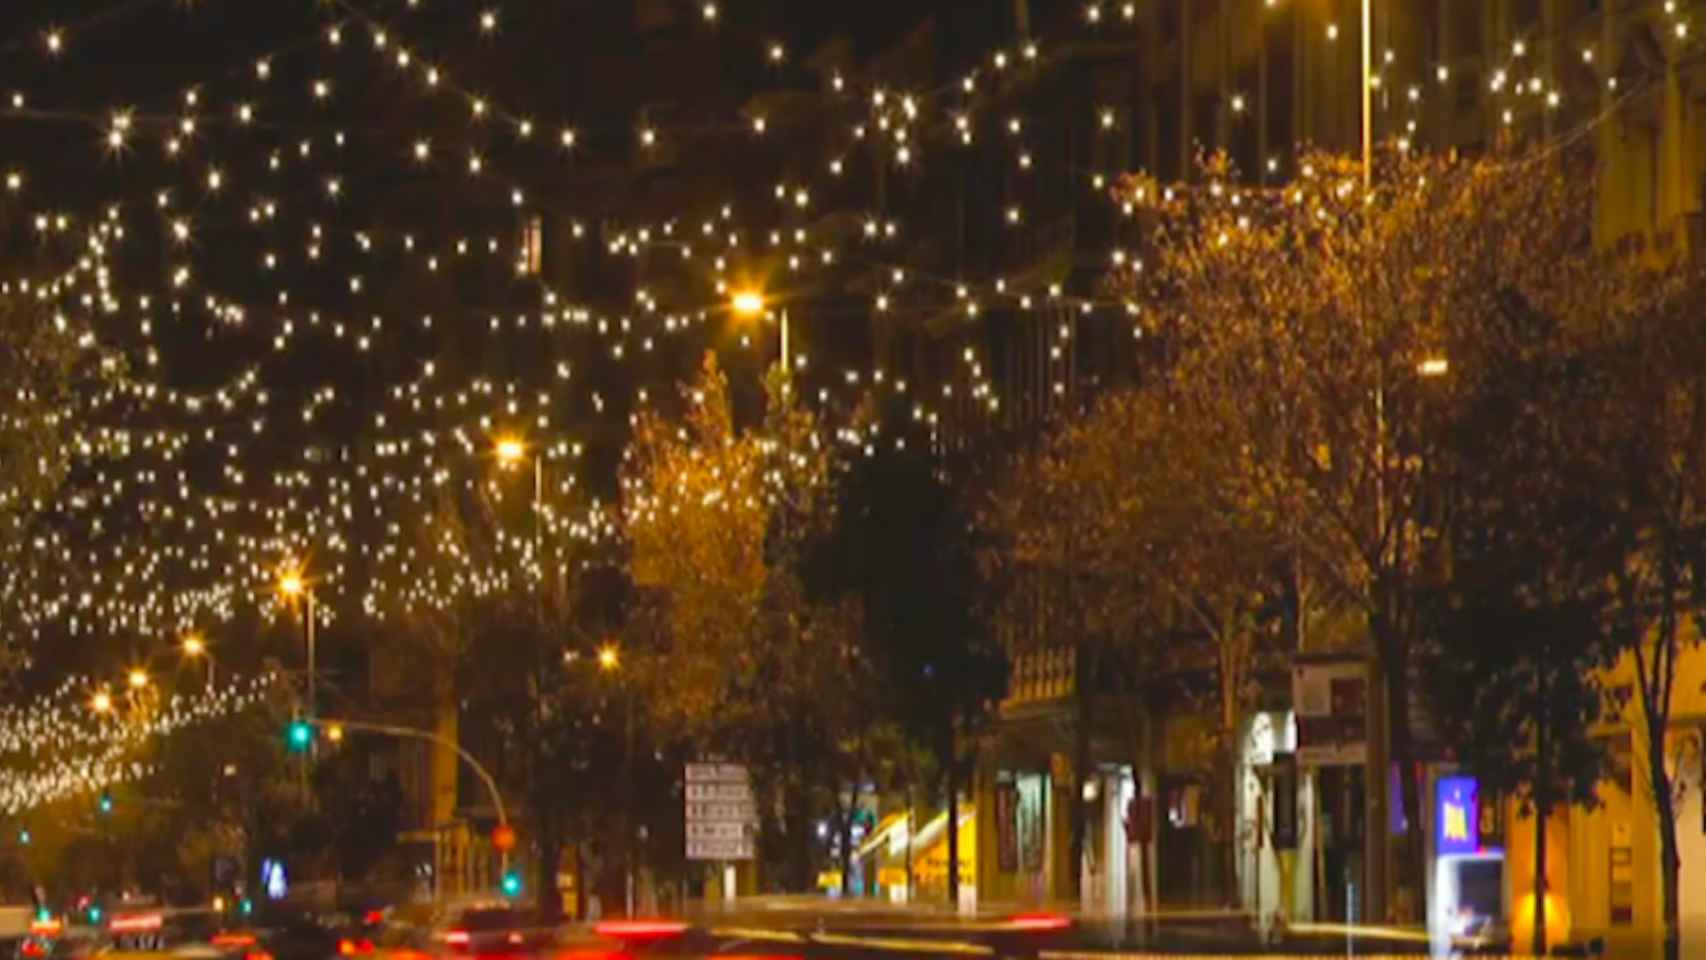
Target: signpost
(1331, 700)
(722, 817)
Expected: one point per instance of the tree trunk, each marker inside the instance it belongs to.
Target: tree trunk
(1542, 807)
(1404, 757)
(847, 837)
(798, 830)
(1229, 789)
(1080, 764)
(580, 880)
(953, 779)
(549, 898)
(911, 807)
(1670, 861)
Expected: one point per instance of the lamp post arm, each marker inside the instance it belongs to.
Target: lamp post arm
(412, 733)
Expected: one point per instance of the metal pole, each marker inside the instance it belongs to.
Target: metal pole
(313, 701)
(386, 729)
(787, 366)
(209, 657)
(539, 618)
(1367, 94)
(1377, 847)
(628, 791)
(539, 511)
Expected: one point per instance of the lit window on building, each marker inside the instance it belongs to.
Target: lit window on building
(531, 250)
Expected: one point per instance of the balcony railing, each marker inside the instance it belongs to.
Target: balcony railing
(1041, 675)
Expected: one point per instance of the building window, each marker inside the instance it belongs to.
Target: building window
(530, 250)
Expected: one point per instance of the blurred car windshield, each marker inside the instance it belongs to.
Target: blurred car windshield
(489, 919)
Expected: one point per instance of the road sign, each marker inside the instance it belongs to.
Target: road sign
(1330, 697)
(722, 817)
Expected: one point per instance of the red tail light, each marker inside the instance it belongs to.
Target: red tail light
(233, 940)
(33, 948)
(456, 938)
(640, 929)
(1039, 921)
(374, 918)
(355, 948)
(132, 923)
(257, 955)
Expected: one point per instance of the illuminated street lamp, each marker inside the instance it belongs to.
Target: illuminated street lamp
(609, 658)
(138, 678)
(101, 702)
(195, 647)
(510, 451)
(751, 305)
(1434, 367)
(748, 303)
(293, 585)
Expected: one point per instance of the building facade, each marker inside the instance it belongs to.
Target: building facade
(1261, 79)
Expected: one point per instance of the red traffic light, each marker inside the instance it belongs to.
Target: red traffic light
(503, 838)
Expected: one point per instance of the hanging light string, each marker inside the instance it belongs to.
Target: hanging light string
(973, 297)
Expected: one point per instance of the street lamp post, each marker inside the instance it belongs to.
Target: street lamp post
(196, 647)
(610, 662)
(751, 304)
(412, 733)
(293, 585)
(1367, 94)
(510, 452)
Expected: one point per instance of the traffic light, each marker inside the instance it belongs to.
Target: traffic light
(105, 804)
(23, 838)
(299, 735)
(511, 884)
(94, 913)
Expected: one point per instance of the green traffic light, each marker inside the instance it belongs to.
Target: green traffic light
(512, 884)
(23, 838)
(94, 914)
(106, 803)
(300, 735)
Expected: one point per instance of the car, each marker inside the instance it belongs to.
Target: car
(300, 937)
(396, 941)
(198, 933)
(492, 930)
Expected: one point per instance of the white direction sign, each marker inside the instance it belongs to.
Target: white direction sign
(722, 817)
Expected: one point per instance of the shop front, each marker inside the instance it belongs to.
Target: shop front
(906, 857)
(1020, 867)
(1108, 883)
(1468, 881)
(1276, 835)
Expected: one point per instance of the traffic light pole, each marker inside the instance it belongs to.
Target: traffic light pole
(313, 675)
(412, 733)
